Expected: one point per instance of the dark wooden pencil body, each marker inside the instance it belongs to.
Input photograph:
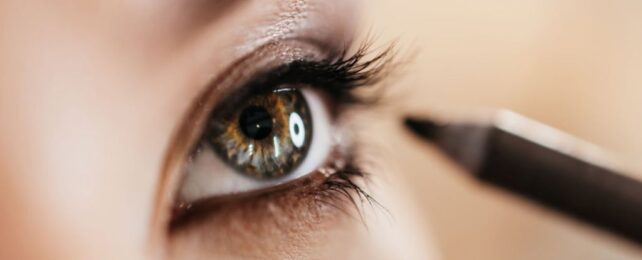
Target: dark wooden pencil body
(589, 192)
(567, 183)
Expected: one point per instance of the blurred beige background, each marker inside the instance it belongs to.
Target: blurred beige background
(576, 65)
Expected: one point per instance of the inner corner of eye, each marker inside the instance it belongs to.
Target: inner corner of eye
(265, 140)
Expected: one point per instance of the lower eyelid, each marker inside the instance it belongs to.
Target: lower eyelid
(332, 194)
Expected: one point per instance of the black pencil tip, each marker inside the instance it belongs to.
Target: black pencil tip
(423, 127)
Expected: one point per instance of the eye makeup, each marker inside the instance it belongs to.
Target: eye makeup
(335, 75)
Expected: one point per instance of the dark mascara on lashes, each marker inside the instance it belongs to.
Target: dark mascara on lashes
(338, 76)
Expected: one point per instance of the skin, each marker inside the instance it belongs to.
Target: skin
(92, 96)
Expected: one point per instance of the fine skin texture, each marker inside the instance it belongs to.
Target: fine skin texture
(92, 96)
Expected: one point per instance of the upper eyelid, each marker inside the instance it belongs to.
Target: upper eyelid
(240, 74)
(199, 207)
(274, 54)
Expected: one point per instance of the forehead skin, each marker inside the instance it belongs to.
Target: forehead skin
(90, 94)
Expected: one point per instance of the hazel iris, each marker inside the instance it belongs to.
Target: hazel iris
(266, 137)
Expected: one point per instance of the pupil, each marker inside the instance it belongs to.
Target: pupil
(255, 122)
(296, 129)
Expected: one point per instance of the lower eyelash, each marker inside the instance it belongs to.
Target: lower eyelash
(338, 190)
(341, 188)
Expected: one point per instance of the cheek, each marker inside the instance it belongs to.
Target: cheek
(88, 121)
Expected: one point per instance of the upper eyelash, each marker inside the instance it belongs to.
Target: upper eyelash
(338, 75)
(345, 73)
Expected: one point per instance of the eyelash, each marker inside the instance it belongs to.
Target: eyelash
(344, 74)
(338, 77)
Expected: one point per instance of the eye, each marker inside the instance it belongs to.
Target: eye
(264, 140)
(270, 132)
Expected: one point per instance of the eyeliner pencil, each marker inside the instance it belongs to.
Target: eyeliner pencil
(544, 165)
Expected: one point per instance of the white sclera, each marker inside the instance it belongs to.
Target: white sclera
(207, 176)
